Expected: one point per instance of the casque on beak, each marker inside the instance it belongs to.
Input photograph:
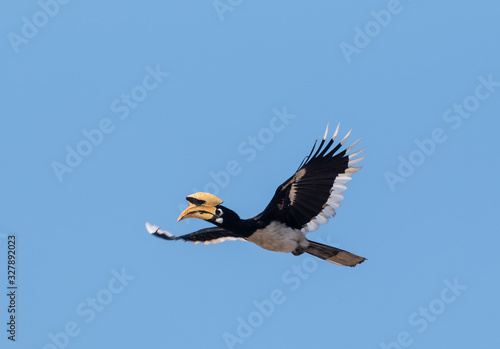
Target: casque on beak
(201, 205)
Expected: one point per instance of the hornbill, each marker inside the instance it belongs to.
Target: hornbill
(300, 205)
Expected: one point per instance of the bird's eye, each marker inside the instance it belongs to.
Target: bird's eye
(219, 212)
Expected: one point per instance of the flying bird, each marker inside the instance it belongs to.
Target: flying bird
(308, 199)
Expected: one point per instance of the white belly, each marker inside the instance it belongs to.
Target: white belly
(279, 237)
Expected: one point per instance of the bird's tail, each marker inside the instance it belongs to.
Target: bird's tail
(333, 254)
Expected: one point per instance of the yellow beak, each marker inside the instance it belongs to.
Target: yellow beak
(202, 212)
(201, 205)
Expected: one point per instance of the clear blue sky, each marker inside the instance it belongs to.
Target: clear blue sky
(112, 113)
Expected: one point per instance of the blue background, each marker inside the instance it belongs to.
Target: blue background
(228, 71)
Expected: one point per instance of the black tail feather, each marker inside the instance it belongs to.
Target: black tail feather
(333, 254)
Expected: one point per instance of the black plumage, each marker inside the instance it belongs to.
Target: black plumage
(300, 205)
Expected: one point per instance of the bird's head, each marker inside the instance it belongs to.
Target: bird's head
(203, 206)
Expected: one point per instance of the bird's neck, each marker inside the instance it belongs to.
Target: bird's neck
(242, 227)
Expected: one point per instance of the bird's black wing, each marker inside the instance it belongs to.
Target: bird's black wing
(206, 236)
(310, 197)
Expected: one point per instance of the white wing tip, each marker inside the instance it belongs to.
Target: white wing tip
(355, 161)
(356, 153)
(352, 146)
(346, 136)
(352, 170)
(152, 229)
(336, 131)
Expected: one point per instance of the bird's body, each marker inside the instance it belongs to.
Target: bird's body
(279, 237)
(300, 205)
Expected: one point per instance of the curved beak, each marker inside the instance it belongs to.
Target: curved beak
(201, 205)
(202, 212)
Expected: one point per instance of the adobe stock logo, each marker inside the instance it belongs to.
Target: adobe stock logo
(89, 309)
(421, 319)
(261, 310)
(454, 116)
(248, 151)
(94, 137)
(223, 6)
(31, 26)
(364, 35)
